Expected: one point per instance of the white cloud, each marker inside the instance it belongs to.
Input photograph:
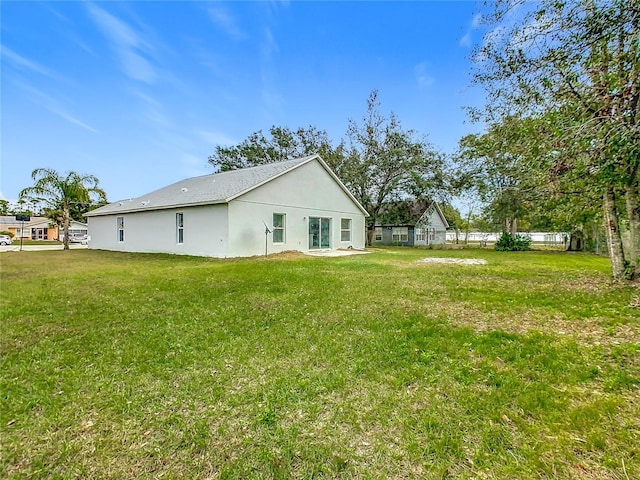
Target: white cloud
(53, 105)
(128, 44)
(78, 41)
(422, 75)
(269, 45)
(153, 112)
(271, 98)
(190, 160)
(194, 165)
(71, 119)
(477, 21)
(221, 17)
(465, 41)
(137, 67)
(212, 137)
(26, 64)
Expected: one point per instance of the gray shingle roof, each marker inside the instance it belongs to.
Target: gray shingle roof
(10, 221)
(205, 190)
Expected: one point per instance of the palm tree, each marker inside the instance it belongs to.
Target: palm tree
(62, 193)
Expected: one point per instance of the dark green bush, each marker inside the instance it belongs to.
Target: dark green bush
(513, 243)
(5, 232)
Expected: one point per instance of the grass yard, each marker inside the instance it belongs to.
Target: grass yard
(26, 241)
(128, 366)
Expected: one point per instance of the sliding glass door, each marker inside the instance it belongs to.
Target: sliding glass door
(319, 232)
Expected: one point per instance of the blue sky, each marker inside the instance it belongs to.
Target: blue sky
(140, 93)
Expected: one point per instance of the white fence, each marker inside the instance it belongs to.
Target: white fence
(540, 238)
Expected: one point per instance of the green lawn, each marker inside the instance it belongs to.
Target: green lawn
(26, 241)
(129, 366)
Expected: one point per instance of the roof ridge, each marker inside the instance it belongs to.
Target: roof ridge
(219, 187)
(262, 165)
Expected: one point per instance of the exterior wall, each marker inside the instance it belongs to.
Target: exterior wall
(9, 224)
(16, 231)
(431, 220)
(39, 232)
(52, 232)
(307, 191)
(387, 236)
(205, 231)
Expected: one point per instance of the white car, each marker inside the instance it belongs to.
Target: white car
(78, 238)
(5, 240)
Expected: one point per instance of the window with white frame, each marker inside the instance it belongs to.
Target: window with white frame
(432, 235)
(120, 223)
(378, 234)
(400, 234)
(278, 227)
(420, 237)
(180, 227)
(345, 229)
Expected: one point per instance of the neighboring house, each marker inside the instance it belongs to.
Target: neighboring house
(429, 229)
(38, 228)
(302, 202)
(77, 230)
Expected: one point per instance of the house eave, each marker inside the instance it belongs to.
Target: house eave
(309, 159)
(160, 207)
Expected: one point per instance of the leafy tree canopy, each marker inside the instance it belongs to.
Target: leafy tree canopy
(381, 163)
(280, 144)
(386, 163)
(575, 64)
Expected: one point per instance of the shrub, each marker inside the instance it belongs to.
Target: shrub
(513, 243)
(4, 232)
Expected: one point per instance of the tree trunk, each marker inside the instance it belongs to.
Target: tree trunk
(633, 211)
(511, 225)
(65, 219)
(467, 228)
(576, 242)
(612, 231)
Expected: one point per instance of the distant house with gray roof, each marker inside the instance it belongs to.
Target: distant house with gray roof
(429, 228)
(302, 203)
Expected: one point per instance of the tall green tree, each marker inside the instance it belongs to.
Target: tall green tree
(494, 166)
(381, 163)
(279, 144)
(63, 193)
(386, 162)
(579, 61)
(517, 172)
(454, 219)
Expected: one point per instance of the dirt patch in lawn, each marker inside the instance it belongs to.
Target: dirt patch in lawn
(458, 261)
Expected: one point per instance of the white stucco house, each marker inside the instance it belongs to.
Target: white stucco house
(302, 202)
